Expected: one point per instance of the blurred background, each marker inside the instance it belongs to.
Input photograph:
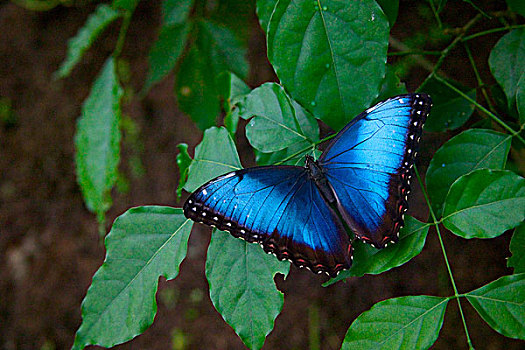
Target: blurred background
(49, 242)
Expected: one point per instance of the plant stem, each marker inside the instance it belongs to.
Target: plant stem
(305, 149)
(414, 52)
(478, 78)
(122, 33)
(451, 276)
(494, 30)
(436, 15)
(483, 109)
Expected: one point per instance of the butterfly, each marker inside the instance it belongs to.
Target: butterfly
(359, 185)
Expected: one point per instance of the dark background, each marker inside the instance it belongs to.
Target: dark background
(49, 244)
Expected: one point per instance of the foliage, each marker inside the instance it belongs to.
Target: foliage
(331, 60)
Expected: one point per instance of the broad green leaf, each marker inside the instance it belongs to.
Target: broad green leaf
(183, 163)
(274, 124)
(369, 260)
(520, 98)
(242, 288)
(501, 304)
(97, 140)
(143, 244)
(234, 90)
(485, 203)
(298, 151)
(166, 51)
(507, 62)
(517, 6)
(264, 12)
(81, 42)
(391, 85)
(517, 248)
(330, 55)
(411, 322)
(175, 12)
(214, 156)
(390, 8)
(468, 151)
(449, 110)
(215, 50)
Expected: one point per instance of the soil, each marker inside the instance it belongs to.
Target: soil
(49, 242)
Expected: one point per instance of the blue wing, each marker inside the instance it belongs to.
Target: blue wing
(368, 165)
(280, 208)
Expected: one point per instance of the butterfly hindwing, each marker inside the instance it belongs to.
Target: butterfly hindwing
(369, 165)
(278, 207)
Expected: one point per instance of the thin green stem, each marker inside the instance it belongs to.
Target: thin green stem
(414, 52)
(494, 30)
(436, 14)
(478, 78)
(305, 149)
(122, 33)
(483, 109)
(451, 276)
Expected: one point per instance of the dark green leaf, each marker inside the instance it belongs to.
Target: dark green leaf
(79, 44)
(470, 150)
(502, 305)
(275, 125)
(507, 62)
(97, 140)
(330, 54)
(520, 99)
(183, 162)
(517, 248)
(390, 8)
(143, 244)
(449, 110)
(369, 260)
(128, 5)
(391, 85)
(214, 156)
(242, 289)
(517, 6)
(411, 322)
(264, 12)
(234, 90)
(485, 203)
(166, 51)
(175, 12)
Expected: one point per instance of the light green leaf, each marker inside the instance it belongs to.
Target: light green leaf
(242, 289)
(175, 12)
(143, 244)
(501, 304)
(369, 260)
(275, 125)
(468, 151)
(81, 42)
(234, 91)
(411, 322)
(520, 98)
(97, 140)
(507, 62)
(183, 163)
(449, 110)
(517, 248)
(330, 55)
(485, 203)
(214, 156)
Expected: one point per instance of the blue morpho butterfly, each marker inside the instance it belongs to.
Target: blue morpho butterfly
(360, 181)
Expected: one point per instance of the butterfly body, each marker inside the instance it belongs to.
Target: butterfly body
(361, 181)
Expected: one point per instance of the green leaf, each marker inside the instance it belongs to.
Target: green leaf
(264, 12)
(390, 8)
(175, 12)
(507, 62)
(517, 6)
(520, 99)
(275, 125)
(143, 244)
(501, 304)
(411, 322)
(242, 288)
(449, 110)
(391, 85)
(369, 260)
(128, 5)
(330, 55)
(214, 156)
(215, 50)
(97, 140)
(183, 163)
(166, 51)
(517, 248)
(468, 151)
(234, 90)
(81, 42)
(485, 203)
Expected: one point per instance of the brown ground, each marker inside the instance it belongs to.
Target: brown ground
(49, 245)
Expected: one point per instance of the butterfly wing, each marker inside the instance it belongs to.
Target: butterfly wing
(278, 207)
(368, 165)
